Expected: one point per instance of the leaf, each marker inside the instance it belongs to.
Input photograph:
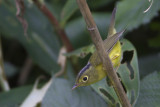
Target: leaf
(55, 6)
(81, 52)
(42, 43)
(148, 64)
(135, 16)
(36, 95)
(129, 74)
(60, 94)
(14, 97)
(68, 10)
(77, 31)
(149, 92)
(71, 7)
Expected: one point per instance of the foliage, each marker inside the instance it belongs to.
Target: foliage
(129, 74)
(149, 91)
(66, 97)
(43, 44)
(14, 97)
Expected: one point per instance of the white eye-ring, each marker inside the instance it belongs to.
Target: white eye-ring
(85, 78)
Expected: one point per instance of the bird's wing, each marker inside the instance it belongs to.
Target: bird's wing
(108, 44)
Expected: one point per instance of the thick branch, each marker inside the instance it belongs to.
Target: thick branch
(55, 24)
(96, 38)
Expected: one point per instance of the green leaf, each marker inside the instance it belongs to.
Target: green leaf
(132, 16)
(55, 6)
(81, 52)
(77, 31)
(60, 94)
(14, 97)
(148, 64)
(42, 43)
(71, 7)
(129, 74)
(68, 10)
(149, 92)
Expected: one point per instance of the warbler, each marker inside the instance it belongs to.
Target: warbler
(94, 71)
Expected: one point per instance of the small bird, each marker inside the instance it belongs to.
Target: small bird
(94, 71)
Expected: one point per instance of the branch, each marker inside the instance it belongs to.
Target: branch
(26, 69)
(20, 15)
(55, 24)
(97, 40)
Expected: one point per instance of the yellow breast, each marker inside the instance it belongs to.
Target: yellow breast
(115, 56)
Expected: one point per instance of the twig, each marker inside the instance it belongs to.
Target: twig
(3, 80)
(55, 24)
(96, 38)
(25, 71)
(20, 15)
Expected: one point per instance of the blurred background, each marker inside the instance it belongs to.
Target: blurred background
(29, 56)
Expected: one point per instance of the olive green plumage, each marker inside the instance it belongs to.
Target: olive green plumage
(94, 71)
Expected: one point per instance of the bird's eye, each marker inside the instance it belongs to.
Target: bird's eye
(85, 78)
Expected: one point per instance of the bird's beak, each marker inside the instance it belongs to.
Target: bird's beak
(75, 86)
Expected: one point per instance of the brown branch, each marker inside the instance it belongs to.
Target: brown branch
(55, 24)
(20, 15)
(97, 40)
(26, 69)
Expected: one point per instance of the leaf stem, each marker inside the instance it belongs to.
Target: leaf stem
(26, 69)
(3, 81)
(20, 15)
(60, 31)
(97, 40)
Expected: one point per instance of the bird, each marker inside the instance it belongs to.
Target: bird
(94, 70)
